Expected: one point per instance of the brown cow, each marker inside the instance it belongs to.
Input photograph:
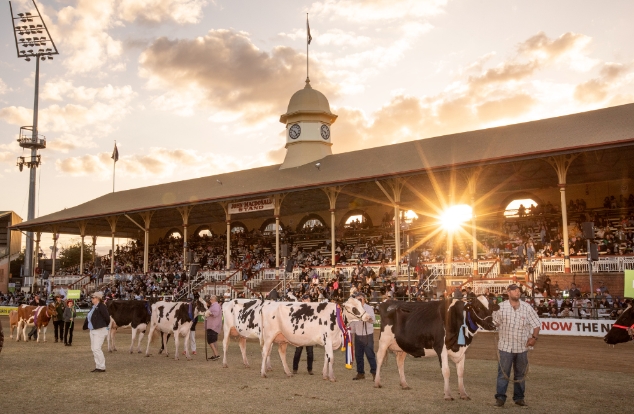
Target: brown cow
(13, 322)
(39, 316)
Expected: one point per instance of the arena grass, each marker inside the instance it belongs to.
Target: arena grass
(52, 377)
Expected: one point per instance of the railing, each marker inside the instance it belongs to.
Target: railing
(493, 269)
(605, 264)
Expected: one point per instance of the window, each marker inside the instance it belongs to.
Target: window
(313, 223)
(519, 207)
(238, 229)
(354, 219)
(270, 228)
(204, 233)
(175, 235)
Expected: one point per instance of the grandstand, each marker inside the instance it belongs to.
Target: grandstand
(355, 205)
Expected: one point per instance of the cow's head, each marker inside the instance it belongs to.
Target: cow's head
(200, 306)
(354, 310)
(480, 311)
(623, 328)
(51, 310)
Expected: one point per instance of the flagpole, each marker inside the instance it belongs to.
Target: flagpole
(307, 78)
(114, 167)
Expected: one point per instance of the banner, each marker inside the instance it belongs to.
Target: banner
(4, 310)
(628, 290)
(575, 327)
(73, 294)
(251, 205)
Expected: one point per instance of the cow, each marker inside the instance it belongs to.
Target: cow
(432, 328)
(306, 324)
(39, 316)
(242, 318)
(623, 329)
(134, 314)
(175, 318)
(13, 322)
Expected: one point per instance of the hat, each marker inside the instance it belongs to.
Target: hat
(98, 295)
(69, 301)
(512, 286)
(305, 296)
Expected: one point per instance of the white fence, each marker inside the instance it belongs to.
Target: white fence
(605, 264)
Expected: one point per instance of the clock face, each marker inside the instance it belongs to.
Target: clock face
(294, 131)
(325, 132)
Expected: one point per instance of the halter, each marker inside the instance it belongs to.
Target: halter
(629, 329)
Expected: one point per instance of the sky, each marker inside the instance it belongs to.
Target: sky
(189, 88)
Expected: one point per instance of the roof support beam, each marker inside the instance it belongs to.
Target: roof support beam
(333, 193)
(112, 222)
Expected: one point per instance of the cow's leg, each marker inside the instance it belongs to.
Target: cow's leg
(109, 338)
(225, 344)
(381, 353)
(400, 363)
(164, 339)
(266, 350)
(330, 359)
(176, 343)
(18, 331)
(141, 334)
(444, 365)
(268, 363)
(460, 372)
(243, 348)
(188, 339)
(281, 349)
(149, 340)
(133, 334)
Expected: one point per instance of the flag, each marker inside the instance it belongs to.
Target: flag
(308, 31)
(115, 153)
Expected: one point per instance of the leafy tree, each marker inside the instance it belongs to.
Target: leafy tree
(16, 265)
(69, 256)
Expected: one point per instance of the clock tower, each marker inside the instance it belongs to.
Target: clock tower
(308, 120)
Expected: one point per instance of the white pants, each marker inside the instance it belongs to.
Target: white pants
(97, 336)
(192, 341)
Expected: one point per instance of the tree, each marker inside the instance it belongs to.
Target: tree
(16, 265)
(70, 256)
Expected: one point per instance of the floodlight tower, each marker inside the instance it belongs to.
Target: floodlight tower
(32, 25)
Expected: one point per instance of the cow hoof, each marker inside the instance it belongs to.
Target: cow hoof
(225, 366)
(264, 376)
(406, 387)
(139, 351)
(448, 398)
(465, 397)
(333, 380)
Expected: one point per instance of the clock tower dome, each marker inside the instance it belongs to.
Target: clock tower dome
(308, 120)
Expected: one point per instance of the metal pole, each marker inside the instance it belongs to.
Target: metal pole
(590, 273)
(28, 257)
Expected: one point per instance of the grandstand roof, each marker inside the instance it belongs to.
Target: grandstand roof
(609, 130)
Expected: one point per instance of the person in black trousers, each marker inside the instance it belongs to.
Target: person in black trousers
(69, 322)
(58, 320)
(35, 302)
(298, 351)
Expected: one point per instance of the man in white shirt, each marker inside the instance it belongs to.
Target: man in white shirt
(518, 328)
(364, 340)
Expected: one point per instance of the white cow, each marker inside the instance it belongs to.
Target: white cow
(175, 318)
(306, 324)
(242, 318)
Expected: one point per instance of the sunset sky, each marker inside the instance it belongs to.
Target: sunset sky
(189, 88)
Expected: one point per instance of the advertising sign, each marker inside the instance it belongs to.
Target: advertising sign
(575, 327)
(251, 205)
(73, 294)
(4, 310)
(628, 290)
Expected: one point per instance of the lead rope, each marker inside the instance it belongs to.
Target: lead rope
(497, 350)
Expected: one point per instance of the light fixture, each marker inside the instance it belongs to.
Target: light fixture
(318, 166)
(28, 59)
(219, 182)
(21, 14)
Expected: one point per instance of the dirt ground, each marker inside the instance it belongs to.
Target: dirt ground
(567, 374)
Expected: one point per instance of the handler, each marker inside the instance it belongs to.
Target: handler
(213, 325)
(309, 351)
(98, 320)
(518, 327)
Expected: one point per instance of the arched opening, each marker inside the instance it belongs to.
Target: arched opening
(174, 234)
(204, 231)
(238, 227)
(311, 223)
(521, 207)
(356, 219)
(408, 216)
(268, 227)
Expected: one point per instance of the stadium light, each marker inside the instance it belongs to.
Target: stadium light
(29, 138)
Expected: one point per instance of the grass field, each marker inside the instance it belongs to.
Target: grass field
(566, 375)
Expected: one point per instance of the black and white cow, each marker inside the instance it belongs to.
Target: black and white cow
(623, 329)
(242, 318)
(306, 324)
(174, 318)
(432, 328)
(134, 314)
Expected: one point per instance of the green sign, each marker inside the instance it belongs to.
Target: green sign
(73, 294)
(628, 292)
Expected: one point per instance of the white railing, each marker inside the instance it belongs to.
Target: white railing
(605, 264)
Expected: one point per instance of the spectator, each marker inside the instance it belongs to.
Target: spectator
(364, 340)
(213, 325)
(69, 322)
(58, 320)
(97, 321)
(309, 351)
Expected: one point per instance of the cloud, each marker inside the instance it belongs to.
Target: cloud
(597, 89)
(225, 71)
(569, 47)
(158, 162)
(82, 113)
(3, 87)
(157, 11)
(334, 37)
(377, 10)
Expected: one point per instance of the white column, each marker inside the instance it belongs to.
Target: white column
(332, 238)
(184, 242)
(94, 249)
(277, 241)
(397, 236)
(112, 256)
(228, 244)
(473, 237)
(54, 252)
(564, 225)
(146, 251)
(81, 256)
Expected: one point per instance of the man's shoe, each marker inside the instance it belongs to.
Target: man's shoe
(56, 341)
(194, 353)
(499, 403)
(294, 372)
(214, 358)
(359, 377)
(521, 403)
(373, 377)
(310, 372)
(98, 370)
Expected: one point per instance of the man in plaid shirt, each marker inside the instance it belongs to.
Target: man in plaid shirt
(518, 327)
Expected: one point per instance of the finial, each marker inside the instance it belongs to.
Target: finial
(307, 83)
